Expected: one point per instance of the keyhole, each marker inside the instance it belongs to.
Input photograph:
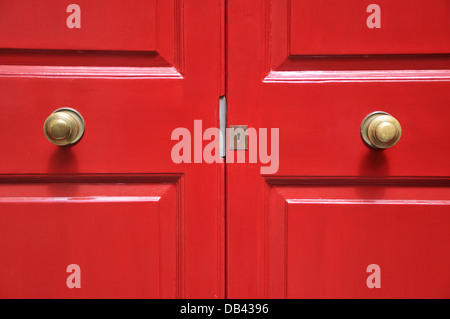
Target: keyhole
(238, 137)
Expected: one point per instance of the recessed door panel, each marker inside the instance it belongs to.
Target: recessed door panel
(355, 35)
(86, 25)
(357, 27)
(321, 239)
(92, 33)
(123, 235)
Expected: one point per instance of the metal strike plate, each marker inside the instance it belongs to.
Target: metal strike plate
(238, 137)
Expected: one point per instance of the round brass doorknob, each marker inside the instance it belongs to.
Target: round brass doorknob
(64, 127)
(380, 130)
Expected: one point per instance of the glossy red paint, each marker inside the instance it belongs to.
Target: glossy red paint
(136, 223)
(335, 206)
(319, 27)
(141, 226)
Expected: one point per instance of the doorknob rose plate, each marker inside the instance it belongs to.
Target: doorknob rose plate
(64, 126)
(380, 130)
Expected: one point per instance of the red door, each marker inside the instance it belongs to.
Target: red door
(112, 216)
(314, 212)
(339, 218)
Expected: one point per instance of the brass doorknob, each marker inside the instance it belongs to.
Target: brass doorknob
(380, 130)
(64, 127)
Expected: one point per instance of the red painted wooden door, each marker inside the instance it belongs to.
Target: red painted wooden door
(115, 204)
(335, 208)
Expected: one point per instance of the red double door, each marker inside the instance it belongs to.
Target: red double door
(117, 216)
